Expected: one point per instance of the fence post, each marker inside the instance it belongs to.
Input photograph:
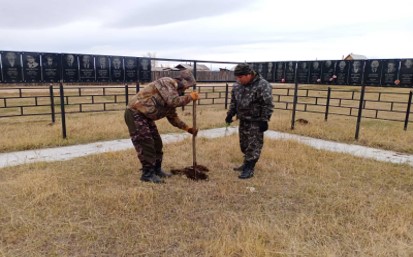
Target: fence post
(295, 99)
(361, 104)
(137, 87)
(126, 94)
(194, 70)
(226, 95)
(409, 103)
(62, 108)
(363, 88)
(52, 103)
(327, 103)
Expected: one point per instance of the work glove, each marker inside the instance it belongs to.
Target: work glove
(263, 125)
(194, 95)
(228, 119)
(193, 131)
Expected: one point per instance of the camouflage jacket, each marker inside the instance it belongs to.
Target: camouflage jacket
(159, 99)
(252, 102)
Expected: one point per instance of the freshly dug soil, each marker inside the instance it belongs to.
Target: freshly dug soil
(197, 173)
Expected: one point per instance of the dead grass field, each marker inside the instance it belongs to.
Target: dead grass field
(22, 133)
(302, 202)
(37, 132)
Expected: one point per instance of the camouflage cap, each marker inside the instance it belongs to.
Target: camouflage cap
(187, 78)
(242, 69)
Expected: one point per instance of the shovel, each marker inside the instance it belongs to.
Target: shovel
(194, 172)
(194, 136)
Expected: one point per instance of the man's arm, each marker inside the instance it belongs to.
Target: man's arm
(175, 121)
(232, 111)
(268, 106)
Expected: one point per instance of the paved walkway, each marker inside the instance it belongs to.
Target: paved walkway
(70, 152)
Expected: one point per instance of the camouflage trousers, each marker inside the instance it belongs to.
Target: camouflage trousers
(145, 138)
(251, 140)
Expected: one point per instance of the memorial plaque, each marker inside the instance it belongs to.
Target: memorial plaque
(12, 67)
(261, 68)
(315, 72)
(389, 72)
(102, 69)
(117, 71)
(327, 72)
(406, 73)
(270, 72)
(303, 72)
(50, 67)
(87, 68)
(70, 67)
(280, 72)
(145, 74)
(342, 71)
(372, 73)
(131, 69)
(31, 68)
(356, 72)
(290, 72)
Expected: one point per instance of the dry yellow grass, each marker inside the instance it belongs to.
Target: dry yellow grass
(21, 133)
(302, 202)
(37, 132)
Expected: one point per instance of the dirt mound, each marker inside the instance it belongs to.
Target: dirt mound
(197, 173)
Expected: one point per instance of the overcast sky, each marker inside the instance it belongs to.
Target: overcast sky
(217, 30)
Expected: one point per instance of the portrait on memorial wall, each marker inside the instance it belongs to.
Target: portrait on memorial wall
(372, 73)
(303, 72)
(356, 72)
(131, 69)
(11, 67)
(117, 71)
(31, 67)
(406, 73)
(328, 72)
(51, 67)
(87, 68)
(145, 73)
(279, 72)
(70, 67)
(390, 72)
(102, 68)
(290, 72)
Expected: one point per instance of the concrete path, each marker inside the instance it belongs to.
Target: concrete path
(70, 152)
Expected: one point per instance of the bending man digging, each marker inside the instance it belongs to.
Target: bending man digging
(157, 100)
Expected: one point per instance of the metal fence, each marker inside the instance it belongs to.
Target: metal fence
(359, 103)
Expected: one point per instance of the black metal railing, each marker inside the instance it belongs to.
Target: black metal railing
(380, 105)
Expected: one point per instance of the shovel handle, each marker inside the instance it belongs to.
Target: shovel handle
(193, 136)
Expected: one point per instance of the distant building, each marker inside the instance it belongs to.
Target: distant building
(199, 67)
(352, 56)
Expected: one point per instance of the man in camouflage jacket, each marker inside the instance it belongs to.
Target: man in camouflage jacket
(251, 101)
(157, 100)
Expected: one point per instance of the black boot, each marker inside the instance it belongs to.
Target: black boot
(148, 175)
(159, 172)
(248, 171)
(240, 168)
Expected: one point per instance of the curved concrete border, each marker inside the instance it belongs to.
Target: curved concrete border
(70, 152)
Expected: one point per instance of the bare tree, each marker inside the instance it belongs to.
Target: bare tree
(154, 63)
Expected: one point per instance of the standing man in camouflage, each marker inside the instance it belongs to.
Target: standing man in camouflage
(157, 100)
(251, 101)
